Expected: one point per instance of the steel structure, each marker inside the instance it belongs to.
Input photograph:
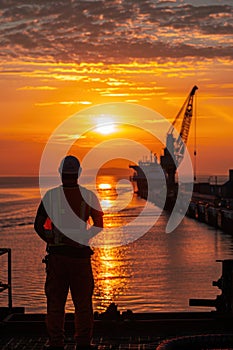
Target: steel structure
(175, 145)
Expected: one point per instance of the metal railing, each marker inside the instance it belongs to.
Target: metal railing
(4, 286)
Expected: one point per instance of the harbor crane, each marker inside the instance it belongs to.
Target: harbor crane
(174, 150)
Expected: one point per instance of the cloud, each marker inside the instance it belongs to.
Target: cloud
(37, 88)
(76, 31)
(69, 103)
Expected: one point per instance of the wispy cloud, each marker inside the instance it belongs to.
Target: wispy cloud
(37, 88)
(69, 103)
(76, 31)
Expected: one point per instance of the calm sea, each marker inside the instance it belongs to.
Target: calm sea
(158, 272)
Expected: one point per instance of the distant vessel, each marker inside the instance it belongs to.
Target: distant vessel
(147, 172)
(154, 172)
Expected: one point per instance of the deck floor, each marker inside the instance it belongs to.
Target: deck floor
(36, 342)
(144, 332)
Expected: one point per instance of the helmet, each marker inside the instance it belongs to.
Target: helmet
(69, 165)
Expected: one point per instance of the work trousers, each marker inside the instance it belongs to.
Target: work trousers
(64, 272)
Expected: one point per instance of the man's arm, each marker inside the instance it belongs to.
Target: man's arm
(96, 228)
(96, 214)
(40, 219)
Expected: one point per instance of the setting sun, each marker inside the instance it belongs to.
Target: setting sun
(105, 129)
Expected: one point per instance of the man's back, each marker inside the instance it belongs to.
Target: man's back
(68, 208)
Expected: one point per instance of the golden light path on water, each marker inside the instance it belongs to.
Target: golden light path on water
(111, 267)
(104, 186)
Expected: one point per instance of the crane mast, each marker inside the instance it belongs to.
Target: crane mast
(174, 151)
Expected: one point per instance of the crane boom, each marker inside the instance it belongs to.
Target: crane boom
(175, 146)
(185, 127)
(188, 116)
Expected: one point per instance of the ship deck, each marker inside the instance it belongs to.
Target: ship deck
(203, 330)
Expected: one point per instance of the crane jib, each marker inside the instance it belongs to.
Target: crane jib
(175, 145)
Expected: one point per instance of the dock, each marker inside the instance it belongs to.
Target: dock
(126, 331)
(211, 204)
(115, 330)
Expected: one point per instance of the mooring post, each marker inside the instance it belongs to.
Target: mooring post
(223, 302)
(225, 283)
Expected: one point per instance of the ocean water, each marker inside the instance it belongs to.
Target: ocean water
(157, 272)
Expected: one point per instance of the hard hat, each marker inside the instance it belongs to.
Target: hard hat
(69, 165)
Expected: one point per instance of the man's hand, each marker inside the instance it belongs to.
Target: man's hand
(46, 235)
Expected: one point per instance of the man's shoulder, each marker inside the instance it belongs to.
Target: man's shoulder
(91, 199)
(86, 191)
(51, 191)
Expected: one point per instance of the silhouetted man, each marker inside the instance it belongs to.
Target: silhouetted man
(61, 221)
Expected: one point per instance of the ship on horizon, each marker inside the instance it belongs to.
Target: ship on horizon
(155, 171)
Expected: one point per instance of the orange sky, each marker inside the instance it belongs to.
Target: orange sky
(34, 104)
(40, 90)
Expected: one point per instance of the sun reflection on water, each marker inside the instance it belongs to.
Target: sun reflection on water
(112, 275)
(104, 186)
(111, 266)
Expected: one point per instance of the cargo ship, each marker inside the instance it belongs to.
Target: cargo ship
(211, 203)
(147, 171)
(166, 166)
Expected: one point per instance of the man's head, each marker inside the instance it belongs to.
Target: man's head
(70, 169)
